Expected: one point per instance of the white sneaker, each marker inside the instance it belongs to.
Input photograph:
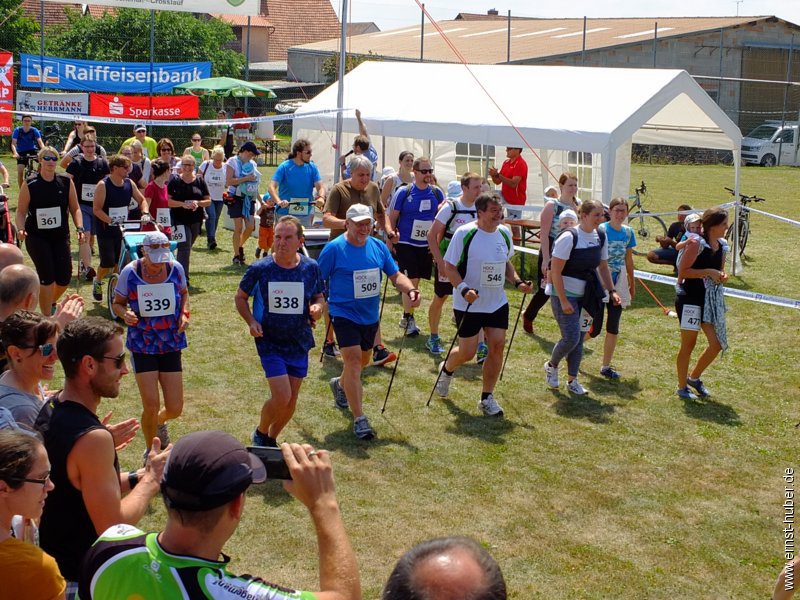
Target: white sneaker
(443, 385)
(410, 326)
(550, 375)
(576, 388)
(490, 407)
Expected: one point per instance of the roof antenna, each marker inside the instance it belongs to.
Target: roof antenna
(738, 2)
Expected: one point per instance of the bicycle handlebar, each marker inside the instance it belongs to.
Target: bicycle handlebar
(744, 197)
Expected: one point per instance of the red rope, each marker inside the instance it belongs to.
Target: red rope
(664, 308)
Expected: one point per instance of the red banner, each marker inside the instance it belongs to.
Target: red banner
(144, 107)
(6, 91)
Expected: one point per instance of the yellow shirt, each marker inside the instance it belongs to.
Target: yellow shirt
(28, 572)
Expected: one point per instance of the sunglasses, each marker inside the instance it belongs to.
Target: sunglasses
(197, 139)
(45, 349)
(118, 360)
(49, 158)
(425, 171)
(41, 482)
(157, 246)
(167, 150)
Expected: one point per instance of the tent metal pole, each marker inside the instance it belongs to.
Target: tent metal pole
(508, 40)
(422, 34)
(340, 93)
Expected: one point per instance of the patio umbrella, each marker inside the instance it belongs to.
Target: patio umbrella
(224, 86)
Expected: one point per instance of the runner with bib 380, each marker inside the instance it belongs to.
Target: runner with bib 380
(478, 263)
(353, 263)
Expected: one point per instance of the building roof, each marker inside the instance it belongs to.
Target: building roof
(299, 22)
(241, 20)
(361, 28)
(484, 41)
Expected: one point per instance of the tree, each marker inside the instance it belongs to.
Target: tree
(18, 33)
(124, 35)
(330, 66)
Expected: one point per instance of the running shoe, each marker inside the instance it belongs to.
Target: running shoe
(381, 356)
(363, 429)
(527, 324)
(609, 373)
(443, 383)
(97, 289)
(90, 274)
(699, 387)
(434, 344)
(330, 350)
(237, 261)
(261, 439)
(490, 407)
(162, 433)
(258, 253)
(483, 352)
(686, 393)
(409, 325)
(551, 375)
(339, 397)
(212, 244)
(576, 388)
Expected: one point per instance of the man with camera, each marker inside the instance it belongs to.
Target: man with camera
(204, 486)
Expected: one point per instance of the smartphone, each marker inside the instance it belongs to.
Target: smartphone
(273, 461)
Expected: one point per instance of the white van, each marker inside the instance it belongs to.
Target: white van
(768, 141)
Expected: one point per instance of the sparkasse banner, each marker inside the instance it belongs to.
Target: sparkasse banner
(95, 76)
(226, 7)
(6, 90)
(140, 107)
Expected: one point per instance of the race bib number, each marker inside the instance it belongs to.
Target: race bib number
(493, 274)
(424, 205)
(420, 229)
(48, 218)
(366, 283)
(118, 214)
(163, 217)
(87, 192)
(299, 207)
(179, 233)
(156, 300)
(286, 297)
(251, 188)
(690, 317)
(586, 321)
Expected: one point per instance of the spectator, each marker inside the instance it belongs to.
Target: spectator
(452, 568)
(26, 571)
(204, 488)
(26, 141)
(88, 498)
(149, 144)
(513, 180)
(225, 133)
(361, 145)
(667, 254)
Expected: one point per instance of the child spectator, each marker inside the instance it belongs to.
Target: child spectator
(667, 254)
(266, 226)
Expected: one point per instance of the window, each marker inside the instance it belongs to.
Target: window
(473, 158)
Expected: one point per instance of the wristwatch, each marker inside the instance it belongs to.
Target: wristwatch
(80, 230)
(133, 479)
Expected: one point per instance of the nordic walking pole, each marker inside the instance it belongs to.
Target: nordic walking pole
(452, 344)
(511, 341)
(397, 362)
(383, 300)
(327, 331)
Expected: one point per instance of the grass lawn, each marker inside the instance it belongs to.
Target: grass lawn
(628, 492)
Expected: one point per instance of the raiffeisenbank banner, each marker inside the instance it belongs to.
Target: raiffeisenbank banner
(225, 7)
(117, 77)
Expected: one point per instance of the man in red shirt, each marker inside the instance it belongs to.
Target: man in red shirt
(513, 176)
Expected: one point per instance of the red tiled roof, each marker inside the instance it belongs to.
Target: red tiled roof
(299, 22)
(241, 20)
(56, 14)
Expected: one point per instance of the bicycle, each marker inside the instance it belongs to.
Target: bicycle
(51, 136)
(743, 221)
(31, 167)
(647, 227)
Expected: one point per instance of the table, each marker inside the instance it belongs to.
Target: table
(271, 151)
(530, 234)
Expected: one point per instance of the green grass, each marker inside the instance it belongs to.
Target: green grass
(627, 493)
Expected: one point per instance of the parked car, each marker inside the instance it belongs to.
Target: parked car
(769, 142)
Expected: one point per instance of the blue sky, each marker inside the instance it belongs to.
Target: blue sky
(392, 14)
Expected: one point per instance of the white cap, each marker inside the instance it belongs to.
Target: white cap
(454, 189)
(358, 213)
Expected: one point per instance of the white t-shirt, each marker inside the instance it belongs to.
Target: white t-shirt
(486, 266)
(462, 218)
(214, 178)
(563, 249)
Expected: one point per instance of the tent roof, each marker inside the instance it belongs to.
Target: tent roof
(562, 108)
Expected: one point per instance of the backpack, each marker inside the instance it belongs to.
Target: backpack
(462, 260)
(600, 234)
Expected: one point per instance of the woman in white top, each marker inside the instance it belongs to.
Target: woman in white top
(213, 171)
(404, 176)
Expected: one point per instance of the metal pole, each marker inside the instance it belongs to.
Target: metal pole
(655, 43)
(247, 58)
(583, 46)
(422, 35)
(786, 98)
(508, 40)
(340, 93)
(41, 52)
(152, 54)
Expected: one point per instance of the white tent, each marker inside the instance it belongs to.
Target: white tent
(575, 117)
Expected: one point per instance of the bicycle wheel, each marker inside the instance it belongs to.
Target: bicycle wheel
(112, 285)
(744, 234)
(646, 227)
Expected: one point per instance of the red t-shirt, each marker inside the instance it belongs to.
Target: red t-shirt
(241, 115)
(157, 198)
(512, 169)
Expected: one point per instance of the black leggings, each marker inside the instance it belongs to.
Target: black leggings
(539, 298)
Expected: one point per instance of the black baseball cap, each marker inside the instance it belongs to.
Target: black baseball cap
(249, 147)
(207, 469)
